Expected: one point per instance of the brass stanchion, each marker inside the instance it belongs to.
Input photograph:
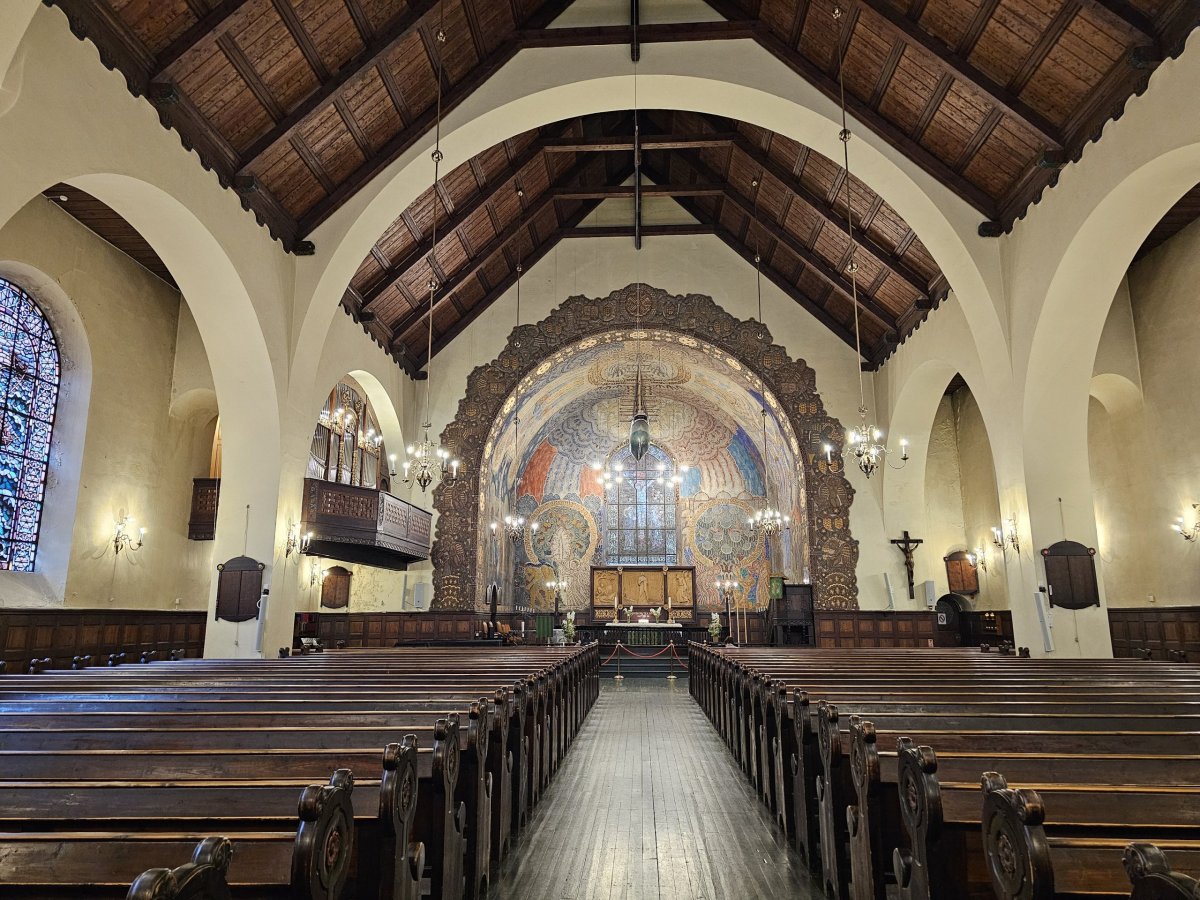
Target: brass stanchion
(618, 676)
(671, 659)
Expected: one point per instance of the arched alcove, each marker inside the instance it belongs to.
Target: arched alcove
(832, 550)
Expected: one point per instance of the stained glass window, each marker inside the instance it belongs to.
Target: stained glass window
(640, 524)
(29, 381)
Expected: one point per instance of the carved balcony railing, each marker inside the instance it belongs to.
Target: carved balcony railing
(361, 525)
(202, 524)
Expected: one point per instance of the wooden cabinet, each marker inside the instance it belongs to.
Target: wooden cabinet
(1071, 575)
(962, 573)
(239, 586)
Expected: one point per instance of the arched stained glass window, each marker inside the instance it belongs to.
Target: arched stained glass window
(29, 374)
(641, 526)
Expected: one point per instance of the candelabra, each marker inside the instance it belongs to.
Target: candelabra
(1188, 534)
(769, 521)
(726, 584)
(296, 541)
(427, 461)
(978, 557)
(514, 528)
(316, 573)
(1004, 539)
(123, 538)
(558, 585)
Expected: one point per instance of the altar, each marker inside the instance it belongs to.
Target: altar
(669, 589)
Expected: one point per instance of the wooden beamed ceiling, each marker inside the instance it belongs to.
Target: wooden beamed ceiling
(761, 193)
(298, 105)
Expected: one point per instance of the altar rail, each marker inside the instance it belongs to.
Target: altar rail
(642, 636)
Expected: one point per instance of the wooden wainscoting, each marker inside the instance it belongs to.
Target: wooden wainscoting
(63, 634)
(384, 629)
(1159, 629)
(875, 628)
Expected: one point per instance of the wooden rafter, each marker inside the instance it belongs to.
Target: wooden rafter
(497, 244)
(207, 28)
(812, 261)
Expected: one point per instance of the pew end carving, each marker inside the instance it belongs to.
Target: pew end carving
(1014, 841)
(324, 851)
(1152, 878)
(201, 879)
(401, 857)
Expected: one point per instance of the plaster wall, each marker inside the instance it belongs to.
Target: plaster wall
(702, 264)
(980, 503)
(137, 458)
(943, 496)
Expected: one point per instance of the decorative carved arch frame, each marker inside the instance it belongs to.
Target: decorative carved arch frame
(833, 553)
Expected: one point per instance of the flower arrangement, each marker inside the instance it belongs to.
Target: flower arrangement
(569, 627)
(714, 627)
(657, 613)
(628, 610)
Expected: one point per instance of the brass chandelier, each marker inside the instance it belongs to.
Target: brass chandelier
(427, 461)
(866, 443)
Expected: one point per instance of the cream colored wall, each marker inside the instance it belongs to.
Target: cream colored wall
(943, 496)
(980, 505)
(137, 459)
(1141, 485)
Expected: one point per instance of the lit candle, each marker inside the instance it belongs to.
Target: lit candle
(828, 453)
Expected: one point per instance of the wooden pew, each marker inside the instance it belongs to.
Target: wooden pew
(312, 858)
(741, 701)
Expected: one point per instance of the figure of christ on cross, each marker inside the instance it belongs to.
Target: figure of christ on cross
(907, 545)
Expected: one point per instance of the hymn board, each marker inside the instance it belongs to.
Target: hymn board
(671, 589)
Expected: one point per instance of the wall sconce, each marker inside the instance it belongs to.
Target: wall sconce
(1188, 534)
(1005, 539)
(316, 573)
(978, 557)
(392, 464)
(296, 541)
(123, 537)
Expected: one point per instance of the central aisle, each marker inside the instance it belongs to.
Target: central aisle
(649, 804)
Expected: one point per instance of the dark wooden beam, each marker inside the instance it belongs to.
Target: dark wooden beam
(351, 73)
(207, 28)
(609, 191)
(813, 261)
(951, 63)
(648, 142)
(498, 290)
(827, 85)
(1126, 16)
(605, 231)
(815, 309)
(825, 210)
(496, 245)
(674, 33)
(455, 221)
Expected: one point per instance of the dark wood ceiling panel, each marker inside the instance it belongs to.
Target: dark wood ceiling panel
(331, 29)
(371, 107)
(156, 22)
(108, 225)
(1178, 217)
(299, 103)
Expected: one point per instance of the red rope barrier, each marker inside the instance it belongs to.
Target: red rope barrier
(621, 647)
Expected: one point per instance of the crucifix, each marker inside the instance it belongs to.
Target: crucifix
(906, 546)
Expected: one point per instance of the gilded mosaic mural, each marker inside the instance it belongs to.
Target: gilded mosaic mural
(702, 371)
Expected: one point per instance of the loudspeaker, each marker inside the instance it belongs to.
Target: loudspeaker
(1045, 619)
(421, 596)
(929, 592)
(887, 586)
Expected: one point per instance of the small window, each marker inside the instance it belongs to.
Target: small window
(29, 374)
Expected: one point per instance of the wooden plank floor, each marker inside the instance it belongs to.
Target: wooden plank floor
(649, 804)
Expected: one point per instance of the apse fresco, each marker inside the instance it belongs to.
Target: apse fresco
(705, 413)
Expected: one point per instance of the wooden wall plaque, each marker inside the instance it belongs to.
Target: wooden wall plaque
(239, 586)
(962, 573)
(335, 588)
(1071, 575)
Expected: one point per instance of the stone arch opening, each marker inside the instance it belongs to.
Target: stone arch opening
(832, 550)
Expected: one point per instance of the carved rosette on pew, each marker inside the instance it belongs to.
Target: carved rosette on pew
(1014, 841)
(325, 840)
(401, 858)
(920, 868)
(204, 878)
